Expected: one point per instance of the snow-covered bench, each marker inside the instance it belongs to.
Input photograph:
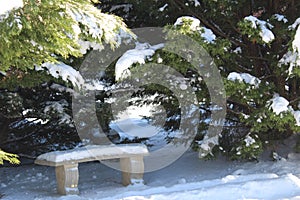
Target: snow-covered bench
(66, 163)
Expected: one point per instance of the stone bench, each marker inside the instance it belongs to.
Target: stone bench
(66, 163)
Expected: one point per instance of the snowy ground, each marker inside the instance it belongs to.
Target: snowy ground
(187, 178)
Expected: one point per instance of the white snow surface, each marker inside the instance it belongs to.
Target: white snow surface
(196, 3)
(195, 23)
(91, 151)
(8, 6)
(66, 72)
(297, 117)
(134, 128)
(89, 21)
(206, 33)
(36, 120)
(59, 107)
(247, 78)
(279, 104)
(69, 74)
(292, 58)
(266, 34)
(161, 9)
(126, 7)
(131, 123)
(249, 140)
(296, 44)
(86, 45)
(295, 24)
(139, 54)
(187, 178)
(281, 18)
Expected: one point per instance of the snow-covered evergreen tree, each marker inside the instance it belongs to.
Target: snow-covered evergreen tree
(255, 45)
(39, 41)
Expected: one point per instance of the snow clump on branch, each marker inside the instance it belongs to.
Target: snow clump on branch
(266, 34)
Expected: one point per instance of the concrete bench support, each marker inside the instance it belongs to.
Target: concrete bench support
(132, 170)
(67, 179)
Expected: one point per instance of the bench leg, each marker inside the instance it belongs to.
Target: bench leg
(132, 170)
(67, 179)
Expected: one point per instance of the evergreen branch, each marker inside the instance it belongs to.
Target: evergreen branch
(11, 158)
(243, 105)
(294, 101)
(257, 58)
(18, 138)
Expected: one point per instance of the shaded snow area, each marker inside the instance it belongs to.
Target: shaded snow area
(133, 128)
(187, 178)
(266, 34)
(132, 123)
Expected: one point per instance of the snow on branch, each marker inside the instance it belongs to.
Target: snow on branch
(279, 105)
(59, 108)
(206, 33)
(247, 78)
(93, 25)
(266, 34)
(292, 58)
(69, 74)
(139, 54)
(66, 72)
(280, 18)
(296, 43)
(295, 24)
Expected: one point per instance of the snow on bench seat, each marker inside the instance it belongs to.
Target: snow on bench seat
(66, 163)
(91, 153)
